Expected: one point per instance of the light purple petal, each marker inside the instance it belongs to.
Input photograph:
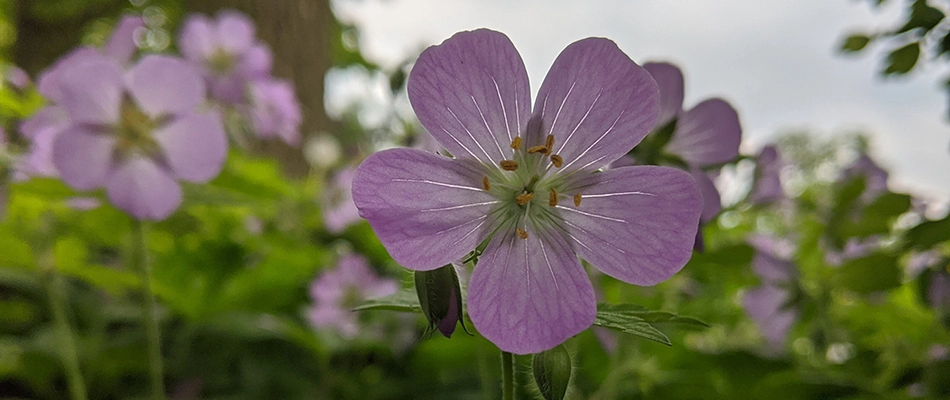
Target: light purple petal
(163, 85)
(256, 62)
(669, 79)
(764, 304)
(428, 210)
(712, 203)
(49, 80)
(195, 146)
(471, 93)
(875, 177)
(121, 45)
(707, 134)
(275, 111)
(596, 102)
(38, 160)
(235, 31)
(83, 157)
(17, 77)
(771, 269)
(636, 224)
(92, 91)
(143, 189)
(529, 295)
(197, 40)
(49, 117)
(767, 186)
(339, 210)
(938, 294)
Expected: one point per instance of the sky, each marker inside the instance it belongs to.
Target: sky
(776, 62)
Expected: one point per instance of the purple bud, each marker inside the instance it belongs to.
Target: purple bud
(440, 296)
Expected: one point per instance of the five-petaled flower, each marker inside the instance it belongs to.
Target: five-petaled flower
(526, 184)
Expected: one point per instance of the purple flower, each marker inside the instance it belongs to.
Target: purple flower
(529, 189)
(875, 177)
(136, 132)
(336, 292)
(768, 303)
(339, 210)
(705, 136)
(226, 52)
(274, 110)
(938, 291)
(767, 186)
(16, 77)
(854, 247)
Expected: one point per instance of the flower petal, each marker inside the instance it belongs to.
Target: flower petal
(712, 202)
(121, 45)
(428, 210)
(163, 85)
(92, 90)
(636, 224)
(764, 304)
(49, 80)
(669, 79)
(235, 31)
(194, 146)
(471, 93)
(596, 102)
(196, 40)
(767, 186)
(707, 134)
(143, 189)
(529, 295)
(83, 156)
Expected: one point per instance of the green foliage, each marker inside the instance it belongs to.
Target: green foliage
(903, 59)
(855, 43)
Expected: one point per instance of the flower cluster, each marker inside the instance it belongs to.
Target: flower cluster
(527, 186)
(769, 304)
(336, 292)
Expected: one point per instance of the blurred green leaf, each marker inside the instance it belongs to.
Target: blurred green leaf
(49, 188)
(902, 60)
(16, 252)
(855, 43)
(922, 16)
(405, 300)
(872, 273)
(929, 233)
(877, 217)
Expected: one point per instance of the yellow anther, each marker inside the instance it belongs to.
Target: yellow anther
(516, 143)
(523, 198)
(577, 200)
(538, 149)
(549, 143)
(485, 184)
(522, 233)
(509, 165)
(557, 160)
(552, 198)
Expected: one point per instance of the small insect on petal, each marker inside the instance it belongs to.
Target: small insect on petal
(524, 198)
(516, 143)
(577, 200)
(522, 233)
(557, 160)
(552, 198)
(509, 165)
(539, 149)
(485, 184)
(549, 143)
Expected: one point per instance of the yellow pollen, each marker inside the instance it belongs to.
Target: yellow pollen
(509, 165)
(549, 143)
(523, 198)
(552, 198)
(516, 143)
(577, 200)
(485, 184)
(557, 160)
(523, 234)
(538, 149)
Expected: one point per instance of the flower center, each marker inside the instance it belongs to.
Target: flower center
(221, 62)
(135, 130)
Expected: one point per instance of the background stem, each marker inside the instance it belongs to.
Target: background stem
(56, 289)
(140, 261)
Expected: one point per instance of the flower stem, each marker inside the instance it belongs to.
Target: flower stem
(507, 376)
(140, 262)
(56, 289)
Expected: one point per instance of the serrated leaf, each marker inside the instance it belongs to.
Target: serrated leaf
(652, 316)
(902, 60)
(855, 43)
(637, 320)
(405, 300)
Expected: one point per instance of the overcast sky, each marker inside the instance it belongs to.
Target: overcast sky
(775, 61)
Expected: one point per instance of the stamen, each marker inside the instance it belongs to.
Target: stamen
(557, 160)
(523, 198)
(516, 143)
(539, 149)
(523, 234)
(552, 198)
(549, 143)
(509, 165)
(485, 183)
(577, 200)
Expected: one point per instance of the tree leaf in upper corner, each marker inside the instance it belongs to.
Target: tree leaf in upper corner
(902, 60)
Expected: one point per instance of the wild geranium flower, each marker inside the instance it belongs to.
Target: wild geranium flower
(137, 132)
(336, 292)
(769, 304)
(226, 53)
(767, 185)
(525, 185)
(274, 110)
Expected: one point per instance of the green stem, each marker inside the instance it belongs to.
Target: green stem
(57, 297)
(140, 262)
(507, 376)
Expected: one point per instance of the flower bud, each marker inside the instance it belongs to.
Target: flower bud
(552, 372)
(440, 296)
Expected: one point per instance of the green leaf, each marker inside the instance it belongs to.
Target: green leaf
(855, 43)
(49, 188)
(928, 234)
(405, 300)
(872, 273)
(637, 320)
(922, 16)
(878, 216)
(902, 60)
